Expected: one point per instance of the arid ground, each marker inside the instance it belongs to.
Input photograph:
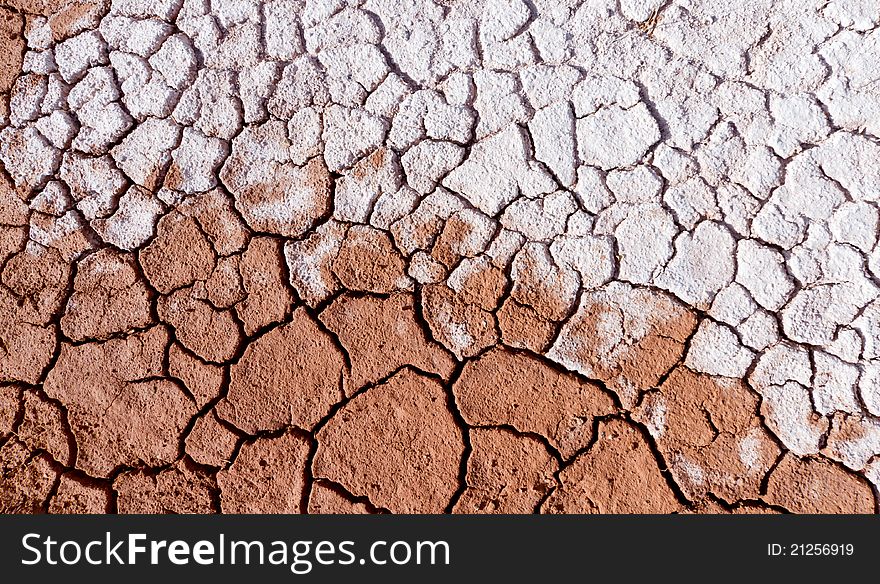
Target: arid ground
(415, 256)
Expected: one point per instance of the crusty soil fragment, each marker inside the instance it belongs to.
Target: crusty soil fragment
(76, 497)
(640, 334)
(202, 380)
(268, 476)
(381, 335)
(25, 480)
(327, 500)
(619, 474)
(708, 432)
(396, 444)
(12, 45)
(119, 410)
(178, 256)
(182, 488)
(210, 442)
(43, 427)
(109, 297)
(503, 388)
(507, 473)
(817, 486)
(291, 375)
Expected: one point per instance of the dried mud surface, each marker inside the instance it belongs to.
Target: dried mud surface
(439, 256)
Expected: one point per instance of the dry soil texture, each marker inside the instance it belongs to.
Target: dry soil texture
(469, 256)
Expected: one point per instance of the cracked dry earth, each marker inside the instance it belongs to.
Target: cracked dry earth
(458, 256)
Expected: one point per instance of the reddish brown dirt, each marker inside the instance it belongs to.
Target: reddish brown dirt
(292, 375)
(268, 476)
(817, 486)
(618, 475)
(502, 388)
(396, 444)
(11, 47)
